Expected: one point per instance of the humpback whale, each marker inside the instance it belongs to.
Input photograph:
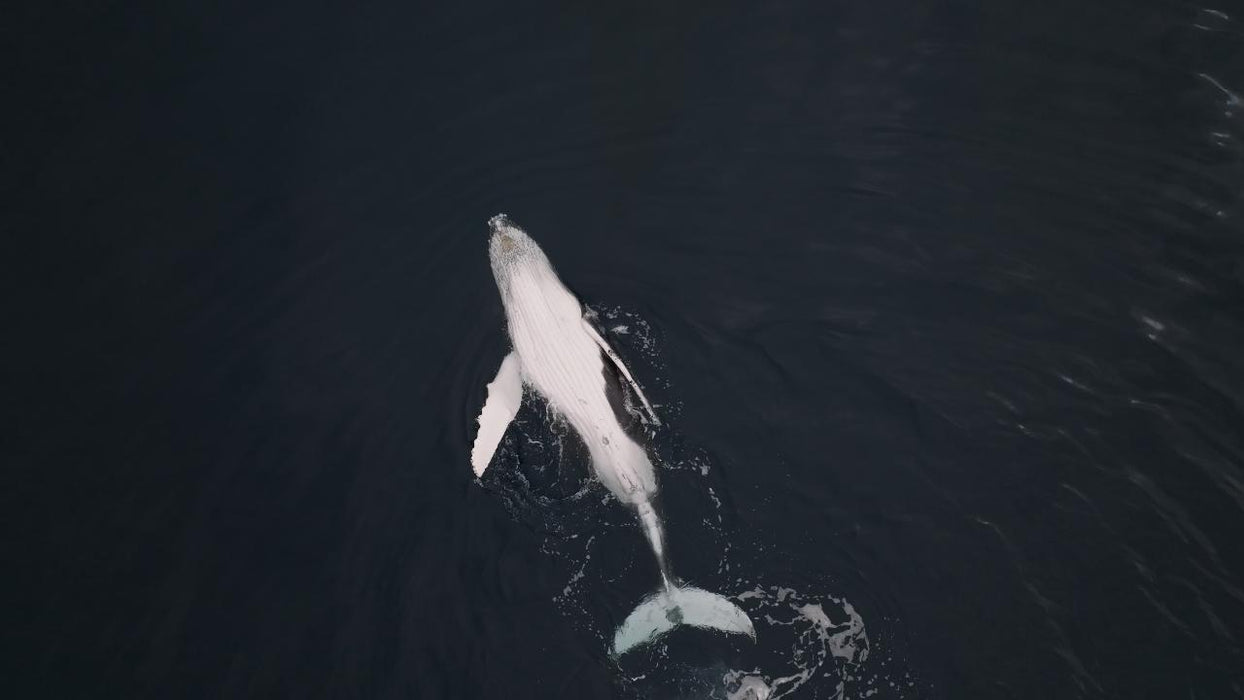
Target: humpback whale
(560, 356)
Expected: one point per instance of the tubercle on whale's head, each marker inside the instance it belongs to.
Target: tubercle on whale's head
(509, 248)
(506, 238)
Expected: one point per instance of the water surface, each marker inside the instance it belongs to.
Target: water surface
(944, 305)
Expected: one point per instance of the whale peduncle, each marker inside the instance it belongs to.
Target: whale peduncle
(656, 537)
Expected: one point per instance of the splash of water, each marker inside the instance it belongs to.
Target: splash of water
(819, 648)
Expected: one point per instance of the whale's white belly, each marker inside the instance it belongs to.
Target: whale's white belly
(562, 362)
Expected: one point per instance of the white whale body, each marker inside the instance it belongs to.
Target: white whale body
(558, 354)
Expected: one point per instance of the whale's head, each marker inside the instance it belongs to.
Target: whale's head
(511, 250)
(506, 238)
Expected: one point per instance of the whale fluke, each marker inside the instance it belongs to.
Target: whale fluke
(679, 605)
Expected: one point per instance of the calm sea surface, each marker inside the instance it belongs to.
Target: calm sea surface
(942, 305)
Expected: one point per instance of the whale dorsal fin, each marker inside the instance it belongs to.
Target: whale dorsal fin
(505, 393)
(650, 416)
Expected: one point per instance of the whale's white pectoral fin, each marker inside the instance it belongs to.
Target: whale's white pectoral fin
(651, 415)
(505, 393)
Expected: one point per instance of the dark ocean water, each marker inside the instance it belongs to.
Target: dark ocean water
(943, 304)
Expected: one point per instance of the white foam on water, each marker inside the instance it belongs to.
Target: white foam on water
(749, 688)
(577, 576)
(824, 650)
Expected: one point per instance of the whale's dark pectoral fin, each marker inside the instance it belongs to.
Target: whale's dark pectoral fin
(505, 394)
(650, 415)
